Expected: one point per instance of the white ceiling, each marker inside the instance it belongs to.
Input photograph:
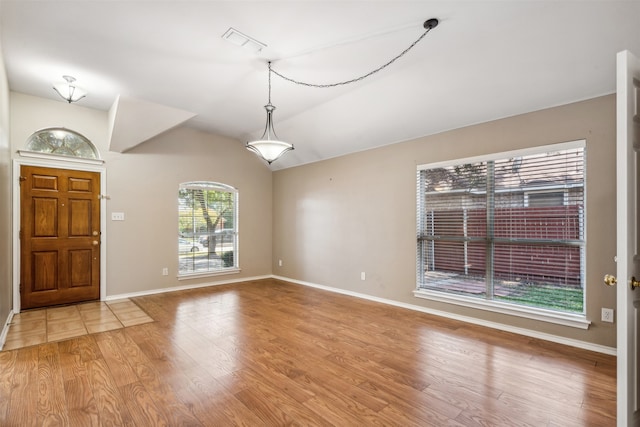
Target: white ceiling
(486, 60)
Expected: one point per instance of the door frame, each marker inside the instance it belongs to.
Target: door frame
(57, 162)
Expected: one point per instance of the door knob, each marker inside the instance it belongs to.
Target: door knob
(95, 233)
(610, 280)
(95, 243)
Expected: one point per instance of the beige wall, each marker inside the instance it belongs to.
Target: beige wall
(143, 183)
(331, 219)
(336, 218)
(6, 294)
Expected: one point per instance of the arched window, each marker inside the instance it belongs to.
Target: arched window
(207, 228)
(62, 142)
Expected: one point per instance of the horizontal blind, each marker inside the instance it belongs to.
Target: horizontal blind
(454, 227)
(521, 216)
(207, 227)
(539, 218)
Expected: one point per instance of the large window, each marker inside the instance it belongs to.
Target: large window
(506, 228)
(207, 228)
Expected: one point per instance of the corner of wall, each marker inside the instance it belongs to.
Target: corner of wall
(6, 235)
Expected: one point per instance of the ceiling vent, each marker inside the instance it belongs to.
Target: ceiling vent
(236, 37)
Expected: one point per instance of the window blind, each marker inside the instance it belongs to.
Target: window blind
(509, 228)
(207, 227)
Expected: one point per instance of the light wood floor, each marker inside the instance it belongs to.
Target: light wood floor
(270, 353)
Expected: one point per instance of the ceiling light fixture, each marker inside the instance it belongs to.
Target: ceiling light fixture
(69, 91)
(269, 147)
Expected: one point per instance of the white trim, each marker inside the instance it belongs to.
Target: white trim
(207, 185)
(219, 187)
(540, 314)
(493, 325)
(5, 329)
(58, 157)
(183, 288)
(62, 163)
(211, 273)
(534, 313)
(580, 143)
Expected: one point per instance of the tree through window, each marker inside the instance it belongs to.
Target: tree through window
(207, 228)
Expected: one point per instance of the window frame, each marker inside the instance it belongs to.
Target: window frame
(577, 320)
(39, 142)
(220, 187)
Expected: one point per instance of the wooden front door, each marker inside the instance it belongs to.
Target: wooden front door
(59, 236)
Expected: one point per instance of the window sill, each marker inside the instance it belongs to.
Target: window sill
(189, 276)
(565, 319)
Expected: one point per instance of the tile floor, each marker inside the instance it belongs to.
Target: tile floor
(58, 323)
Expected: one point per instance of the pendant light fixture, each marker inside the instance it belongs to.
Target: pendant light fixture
(69, 91)
(269, 147)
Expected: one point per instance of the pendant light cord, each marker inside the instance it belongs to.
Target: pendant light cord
(270, 71)
(429, 25)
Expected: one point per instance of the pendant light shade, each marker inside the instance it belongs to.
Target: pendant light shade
(269, 147)
(69, 91)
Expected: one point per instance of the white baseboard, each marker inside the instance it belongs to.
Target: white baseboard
(182, 288)
(494, 325)
(5, 329)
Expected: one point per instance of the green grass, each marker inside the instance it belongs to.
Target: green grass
(567, 299)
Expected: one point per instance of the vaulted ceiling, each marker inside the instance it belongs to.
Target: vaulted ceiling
(485, 60)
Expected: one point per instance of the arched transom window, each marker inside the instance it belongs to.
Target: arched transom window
(62, 142)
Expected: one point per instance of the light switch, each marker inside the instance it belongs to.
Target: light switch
(117, 216)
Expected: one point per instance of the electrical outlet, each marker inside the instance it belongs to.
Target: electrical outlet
(165, 271)
(607, 315)
(279, 263)
(363, 276)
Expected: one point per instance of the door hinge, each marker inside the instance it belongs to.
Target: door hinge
(20, 287)
(22, 178)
